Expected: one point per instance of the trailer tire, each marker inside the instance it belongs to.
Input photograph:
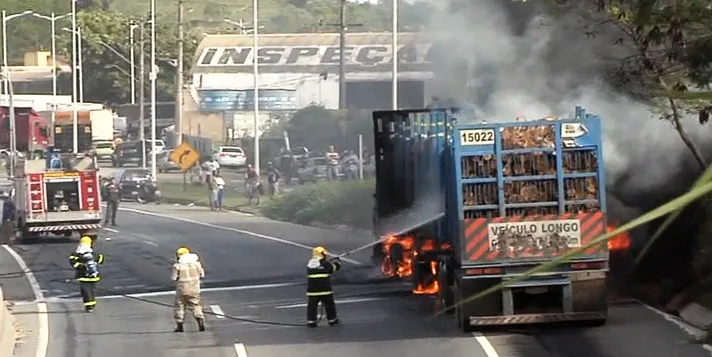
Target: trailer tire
(463, 317)
(445, 294)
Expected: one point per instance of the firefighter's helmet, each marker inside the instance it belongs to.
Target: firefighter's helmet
(320, 252)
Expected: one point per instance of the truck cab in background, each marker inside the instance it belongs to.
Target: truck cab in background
(33, 132)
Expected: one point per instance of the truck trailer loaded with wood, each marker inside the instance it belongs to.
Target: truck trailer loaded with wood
(468, 206)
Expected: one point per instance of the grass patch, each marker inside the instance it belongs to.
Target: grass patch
(198, 194)
(334, 203)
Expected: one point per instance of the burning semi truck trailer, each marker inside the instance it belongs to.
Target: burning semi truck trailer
(487, 202)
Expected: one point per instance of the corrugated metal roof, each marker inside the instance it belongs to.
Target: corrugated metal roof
(302, 39)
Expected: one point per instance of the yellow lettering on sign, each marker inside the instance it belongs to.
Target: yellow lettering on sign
(61, 174)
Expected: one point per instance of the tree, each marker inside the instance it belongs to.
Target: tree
(105, 53)
(669, 43)
(317, 128)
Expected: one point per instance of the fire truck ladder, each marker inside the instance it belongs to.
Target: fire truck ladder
(36, 194)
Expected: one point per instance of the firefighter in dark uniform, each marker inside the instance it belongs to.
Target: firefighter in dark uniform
(85, 261)
(319, 271)
(113, 197)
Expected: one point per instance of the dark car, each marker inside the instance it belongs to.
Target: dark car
(130, 181)
(130, 152)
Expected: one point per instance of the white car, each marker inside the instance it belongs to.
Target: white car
(230, 156)
(160, 146)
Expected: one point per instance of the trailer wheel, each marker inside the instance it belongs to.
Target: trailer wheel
(445, 294)
(463, 314)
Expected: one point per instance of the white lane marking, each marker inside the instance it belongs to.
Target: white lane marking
(111, 229)
(172, 292)
(689, 329)
(43, 318)
(43, 341)
(240, 350)
(344, 301)
(150, 243)
(253, 234)
(217, 311)
(36, 290)
(485, 344)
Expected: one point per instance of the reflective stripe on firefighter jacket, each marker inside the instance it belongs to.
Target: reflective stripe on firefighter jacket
(319, 276)
(80, 270)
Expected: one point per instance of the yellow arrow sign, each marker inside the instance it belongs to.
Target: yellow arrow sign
(185, 156)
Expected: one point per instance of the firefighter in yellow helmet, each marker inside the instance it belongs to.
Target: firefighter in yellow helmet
(86, 269)
(319, 271)
(187, 272)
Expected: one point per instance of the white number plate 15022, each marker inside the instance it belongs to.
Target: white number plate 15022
(477, 137)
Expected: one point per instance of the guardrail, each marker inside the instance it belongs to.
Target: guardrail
(7, 329)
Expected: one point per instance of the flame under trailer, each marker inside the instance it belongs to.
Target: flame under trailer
(468, 206)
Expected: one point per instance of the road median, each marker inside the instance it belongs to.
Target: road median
(8, 330)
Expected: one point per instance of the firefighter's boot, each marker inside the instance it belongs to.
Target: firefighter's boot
(201, 324)
(179, 327)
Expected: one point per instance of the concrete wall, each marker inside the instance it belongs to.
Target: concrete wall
(7, 329)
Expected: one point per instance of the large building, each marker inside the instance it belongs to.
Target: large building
(297, 70)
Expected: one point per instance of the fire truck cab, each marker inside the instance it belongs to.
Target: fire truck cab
(57, 201)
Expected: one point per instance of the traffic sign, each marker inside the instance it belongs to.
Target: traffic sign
(185, 156)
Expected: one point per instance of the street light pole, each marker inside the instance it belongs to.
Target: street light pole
(5, 70)
(153, 88)
(342, 57)
(53, 21)
(80, 64)
(255, 74)
(132, 27)
(11, 115)
(75, 138)
(142, 94)
(395, 55)
(179, 79)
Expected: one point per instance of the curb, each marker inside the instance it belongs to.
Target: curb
(696, 315)
(336, 227)
(7, 329)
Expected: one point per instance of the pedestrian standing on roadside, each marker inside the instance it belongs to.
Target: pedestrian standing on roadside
(218, 189)
(7, 232)
(112, 202)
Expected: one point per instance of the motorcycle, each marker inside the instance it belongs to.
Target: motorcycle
(149, 192)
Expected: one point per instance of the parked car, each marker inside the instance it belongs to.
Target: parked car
(314, 169)
(230, 156)
(129, 181)
(129, 152)
(164, 163)
(104, 150)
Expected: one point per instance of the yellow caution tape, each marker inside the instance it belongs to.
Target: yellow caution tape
(672, 206)
(704, 178)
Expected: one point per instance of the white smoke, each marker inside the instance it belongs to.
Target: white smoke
(548, 69)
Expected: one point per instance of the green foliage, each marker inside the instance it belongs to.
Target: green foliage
(335, 203)
(103, 81)
(317, 128)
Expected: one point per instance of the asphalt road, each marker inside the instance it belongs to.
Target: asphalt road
(380, 318)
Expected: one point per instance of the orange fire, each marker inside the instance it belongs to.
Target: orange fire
(619, 242)
(431, 287)
(404, 267)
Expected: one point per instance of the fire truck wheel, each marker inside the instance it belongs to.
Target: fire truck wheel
(67, 234)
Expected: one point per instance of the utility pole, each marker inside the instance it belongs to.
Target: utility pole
(179, 78)
(342, 58)
(342, 26)
(141, 93)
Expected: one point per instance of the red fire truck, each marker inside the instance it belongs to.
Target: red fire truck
(57, 201)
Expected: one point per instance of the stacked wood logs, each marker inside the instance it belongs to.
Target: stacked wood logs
(529, 164)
